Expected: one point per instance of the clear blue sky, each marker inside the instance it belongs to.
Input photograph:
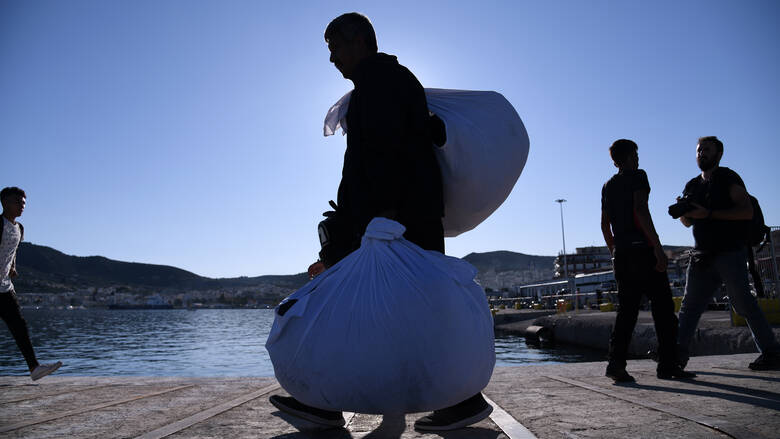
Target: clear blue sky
(189, 133)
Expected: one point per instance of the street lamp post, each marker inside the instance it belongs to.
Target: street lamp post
(560, 201)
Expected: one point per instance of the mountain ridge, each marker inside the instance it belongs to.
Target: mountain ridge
(44, 268)
(40, 266)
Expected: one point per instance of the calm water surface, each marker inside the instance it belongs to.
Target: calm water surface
(206, 342)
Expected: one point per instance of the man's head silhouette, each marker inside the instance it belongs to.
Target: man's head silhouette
(624, 154)
(709, 152)
(350, 39)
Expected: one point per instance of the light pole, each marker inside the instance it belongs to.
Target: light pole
(560, 201)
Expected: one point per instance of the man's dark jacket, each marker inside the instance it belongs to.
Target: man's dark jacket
(389, 164)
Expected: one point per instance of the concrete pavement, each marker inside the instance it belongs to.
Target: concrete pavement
(559, 401)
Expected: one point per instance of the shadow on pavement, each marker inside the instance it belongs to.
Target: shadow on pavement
(392, 427)
(470, 433)
(308, 430)
(738, 389)
(762, 377)
(743, 399)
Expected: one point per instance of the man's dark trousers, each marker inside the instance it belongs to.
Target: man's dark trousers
(636, 276)
(12, 315)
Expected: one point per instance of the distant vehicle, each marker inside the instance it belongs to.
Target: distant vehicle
(608, 286)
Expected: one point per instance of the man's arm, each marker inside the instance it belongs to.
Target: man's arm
(606, 230)
(645, 222)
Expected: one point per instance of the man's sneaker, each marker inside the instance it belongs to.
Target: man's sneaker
(668, 373)
(460, 415)
(619, 375)
(768, 361)
(44, 369)
(293, 407)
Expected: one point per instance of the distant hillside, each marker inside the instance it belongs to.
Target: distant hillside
(44, 265)
(500, 261)
(45, 269)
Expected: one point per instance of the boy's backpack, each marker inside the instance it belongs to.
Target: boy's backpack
(758, 232)
(21, 238)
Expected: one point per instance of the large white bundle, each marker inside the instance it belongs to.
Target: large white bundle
(486, 150)
(392, 328)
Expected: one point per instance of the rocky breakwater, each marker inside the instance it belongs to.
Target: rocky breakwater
(592, 329)
(515, 321)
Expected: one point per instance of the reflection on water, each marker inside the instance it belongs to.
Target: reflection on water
(512, 350)
(146, 342)
(210, 342)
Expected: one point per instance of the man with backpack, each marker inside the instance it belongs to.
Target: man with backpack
(11, 234)
(719, 208)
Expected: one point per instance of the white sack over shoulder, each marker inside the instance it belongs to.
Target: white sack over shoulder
(391, 328)
(486, 150)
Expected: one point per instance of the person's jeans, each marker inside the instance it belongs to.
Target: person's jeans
(12, 315)
(636, 276)
(706, 272)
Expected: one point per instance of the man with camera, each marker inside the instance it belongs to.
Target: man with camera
(718, 207)
(639, 264)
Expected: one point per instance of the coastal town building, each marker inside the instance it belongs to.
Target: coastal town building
(584, 260)
(590, 275)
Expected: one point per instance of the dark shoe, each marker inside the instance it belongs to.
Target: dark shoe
(769, 361)
(619, 375)
(668, 373)
(460, 415)
(293, 407)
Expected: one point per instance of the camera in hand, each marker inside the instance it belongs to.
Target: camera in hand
(681, 207)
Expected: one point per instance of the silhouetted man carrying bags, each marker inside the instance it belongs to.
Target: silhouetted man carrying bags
(639, 264)
(390, 170)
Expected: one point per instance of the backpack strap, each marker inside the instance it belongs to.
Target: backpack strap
(2, 227)
(21, 231)
(757, 283)
(765, 240)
